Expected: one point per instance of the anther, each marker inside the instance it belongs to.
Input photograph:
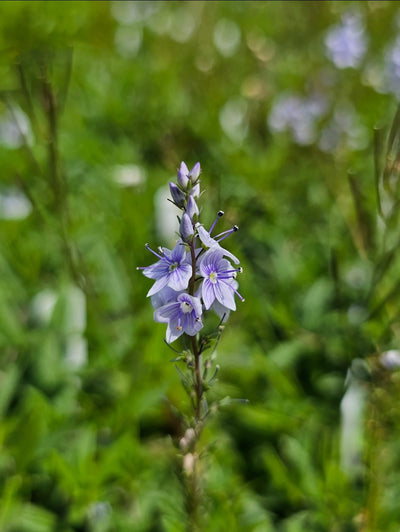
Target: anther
(160, 255)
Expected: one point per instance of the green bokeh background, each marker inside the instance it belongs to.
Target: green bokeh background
(105, 89)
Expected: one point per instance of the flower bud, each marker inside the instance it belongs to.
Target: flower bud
(195, 191)
(183, 179)
(195, 172)
(192, 208)
(177, 195)
(186, 228)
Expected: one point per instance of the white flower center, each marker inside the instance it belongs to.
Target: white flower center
(173, 266)
(213, 277)
(186, 307)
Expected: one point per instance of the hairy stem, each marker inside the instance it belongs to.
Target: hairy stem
(191, 473)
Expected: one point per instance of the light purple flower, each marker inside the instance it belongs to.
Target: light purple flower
(182, 316)
(219, 280)
(173, 269)
(213, 243)
(346, 43)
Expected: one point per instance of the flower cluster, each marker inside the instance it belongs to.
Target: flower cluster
(196, 275)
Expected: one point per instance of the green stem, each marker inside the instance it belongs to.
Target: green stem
(192, 476)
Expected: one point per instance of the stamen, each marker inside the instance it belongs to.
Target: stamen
(236, 292)
(239, 270)
(154, 253)
(219, 214)
(224, 234)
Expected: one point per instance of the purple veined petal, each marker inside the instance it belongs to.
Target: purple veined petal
(156, 270)
(164, 296)
(227, 253)
(225, 295)
(204, 236)
(209, 260)
(178, 253)
(190, 325)
(220, 310)
(197, 307)
(173, 333)
(209, 242)
(179, 278)
(167, 312)
(157, 286)
(208, 293)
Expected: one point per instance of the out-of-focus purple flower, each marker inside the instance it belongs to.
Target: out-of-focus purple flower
(177, 195)
(346, 43)
(173, 269)
(345, 129)
(297, 114)
(182, 316)
(218, 280)
(392, 69)
(390, 359)
(186, 229)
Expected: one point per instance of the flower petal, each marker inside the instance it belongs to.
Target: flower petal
(157, 286)
(179, 278)
(225, 295)
(208, 293)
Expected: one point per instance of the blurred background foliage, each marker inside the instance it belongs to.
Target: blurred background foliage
(291, 109)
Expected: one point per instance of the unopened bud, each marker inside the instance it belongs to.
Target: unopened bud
(195, 172)
(177, 195)
(183, 179)
(186, 228)
(191, 207)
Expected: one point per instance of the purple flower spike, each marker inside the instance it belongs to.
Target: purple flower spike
(171, 270)
(182, 316)
(219, 280)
